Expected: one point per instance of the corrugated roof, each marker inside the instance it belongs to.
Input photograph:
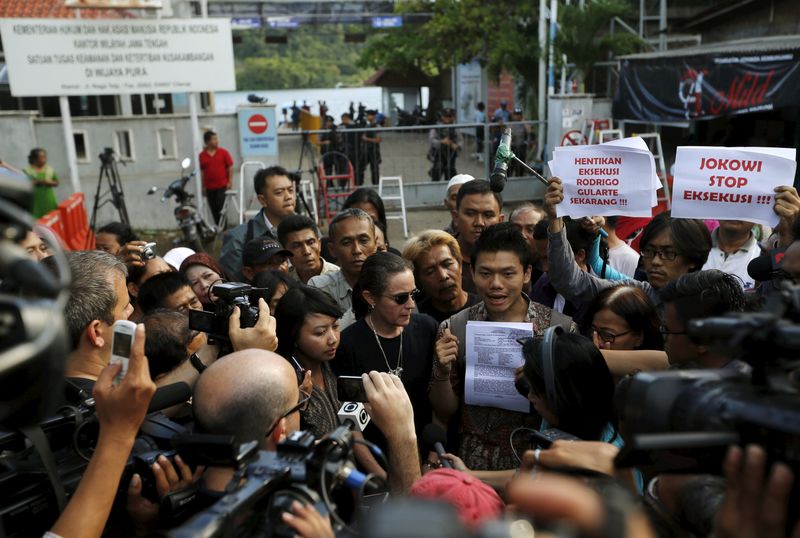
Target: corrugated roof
(758, 45)
(54, 9)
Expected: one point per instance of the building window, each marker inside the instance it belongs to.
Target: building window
(81, 146)
(123, 145)
(167, 143)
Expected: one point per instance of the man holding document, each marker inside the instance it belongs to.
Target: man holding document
(472, 387)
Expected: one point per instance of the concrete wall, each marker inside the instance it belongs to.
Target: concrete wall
(19, 137)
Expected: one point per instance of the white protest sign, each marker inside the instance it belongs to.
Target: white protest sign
(636, 142)
(109, 57)
(604, 180)
(730, 183)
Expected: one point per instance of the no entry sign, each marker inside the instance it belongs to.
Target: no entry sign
(258, 135)
(257, 123)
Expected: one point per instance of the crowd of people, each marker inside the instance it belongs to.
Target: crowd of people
(346, 303)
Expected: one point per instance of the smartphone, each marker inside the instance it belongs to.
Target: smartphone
(350, 388)
(121, 346)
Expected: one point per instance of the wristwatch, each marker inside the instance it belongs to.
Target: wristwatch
(197, 363)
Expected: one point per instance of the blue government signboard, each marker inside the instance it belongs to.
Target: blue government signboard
(258, 131)
(245, 23)
(393, 21)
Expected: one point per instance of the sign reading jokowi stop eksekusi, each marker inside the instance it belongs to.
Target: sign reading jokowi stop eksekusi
(730, 183)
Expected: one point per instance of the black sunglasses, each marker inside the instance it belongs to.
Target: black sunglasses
(402, 298)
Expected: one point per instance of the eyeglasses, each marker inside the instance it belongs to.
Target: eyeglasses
(402, 298)
(607, 336)
(302, 405)
(664, 254)
(665, 331)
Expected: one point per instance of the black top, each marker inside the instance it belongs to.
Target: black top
(425, 306)
(359, 352)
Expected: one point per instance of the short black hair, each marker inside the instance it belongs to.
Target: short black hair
(481, 106)
(300, 301)
(207, 136)
(270, 279)
(611, 222)
(478, 186)
(540, 230)
(123, 232)
(33, 156)
(158, 287)
(578, 236)
(295, 223)
(690, 237)
(352, 213)
(168, 338)
(584, 385)
(365, 195)
(704, 293)
(502, 237)
(261, 177)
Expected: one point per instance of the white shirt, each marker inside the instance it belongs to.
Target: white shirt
(736, 263)
(624, 259)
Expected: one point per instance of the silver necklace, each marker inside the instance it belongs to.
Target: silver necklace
(396, 371)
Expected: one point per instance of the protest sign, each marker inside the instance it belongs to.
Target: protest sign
(606, 179)
(730, 183)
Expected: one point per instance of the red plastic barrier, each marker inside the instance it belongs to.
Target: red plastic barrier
(77, 234)
(53, 221)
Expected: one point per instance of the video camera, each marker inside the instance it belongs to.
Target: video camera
(684, 421)
(267, 483)
(107, 157)
(228, 294)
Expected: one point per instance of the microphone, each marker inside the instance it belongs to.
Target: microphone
(354, 413)
(766, 266)
(169, 395)
(499, 175)
(434, 437)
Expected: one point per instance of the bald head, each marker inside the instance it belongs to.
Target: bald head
(243, 394)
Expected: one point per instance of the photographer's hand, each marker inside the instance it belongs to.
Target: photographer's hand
(120, 411)
(307, 522)
(131, 253)
(391, 411)
(787, 206)
(261, 336)
(755, 505)
(142, 511)
(592, 455)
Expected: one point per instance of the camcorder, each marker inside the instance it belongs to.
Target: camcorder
(107, 157)
(266, 483)
(42, 465)
(683, 421)
(228, 294)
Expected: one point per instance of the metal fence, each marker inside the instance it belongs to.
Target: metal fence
(408, 152)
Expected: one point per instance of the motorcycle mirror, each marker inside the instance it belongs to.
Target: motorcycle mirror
(152, 190)
(186, 163)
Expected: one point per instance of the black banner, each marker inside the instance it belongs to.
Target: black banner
(706, 86)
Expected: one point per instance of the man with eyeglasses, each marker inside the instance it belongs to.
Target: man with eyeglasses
(669, 248)
(251, 395)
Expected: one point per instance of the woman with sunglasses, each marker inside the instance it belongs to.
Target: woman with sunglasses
(389, 336)
(308, 337)
(624, 318)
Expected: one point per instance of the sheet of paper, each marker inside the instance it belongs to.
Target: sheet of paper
(730, 183)
(493, 354)
(605, 180)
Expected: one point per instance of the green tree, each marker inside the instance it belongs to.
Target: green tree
(501, 34)
(313, 57)
(583, 35)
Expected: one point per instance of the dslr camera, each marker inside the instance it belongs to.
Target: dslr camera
(228, 294)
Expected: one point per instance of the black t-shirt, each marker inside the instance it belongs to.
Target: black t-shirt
(425, 306)
(359, 352)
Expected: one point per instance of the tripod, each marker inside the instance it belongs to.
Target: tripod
(108, 170)
(306, 152)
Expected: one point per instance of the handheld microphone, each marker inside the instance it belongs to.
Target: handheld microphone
(355, 414)
(766, 266)
(434, 437)
(499, 175)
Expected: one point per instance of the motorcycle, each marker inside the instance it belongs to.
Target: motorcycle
(196, 231)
